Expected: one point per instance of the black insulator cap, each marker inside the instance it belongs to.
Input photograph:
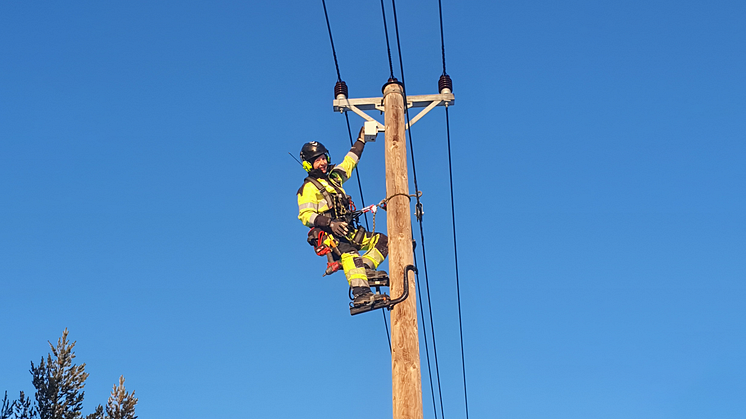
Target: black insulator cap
(340, 89)
(445, 83)
(392, 80)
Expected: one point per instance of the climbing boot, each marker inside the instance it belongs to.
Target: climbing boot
(362, 295)
(377, 279)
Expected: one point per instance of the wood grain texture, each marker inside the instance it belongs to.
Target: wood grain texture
(405, 350)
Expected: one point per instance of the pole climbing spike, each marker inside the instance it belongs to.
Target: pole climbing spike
(382, 300)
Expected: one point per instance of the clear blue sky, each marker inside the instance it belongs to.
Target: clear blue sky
(147, 203)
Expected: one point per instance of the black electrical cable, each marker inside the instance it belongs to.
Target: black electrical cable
(453, 218)
(430, 311)
(357, 174)
(331, 40)
(424, 335)
(367, 227)
(442, 42)
(455, 256)
(388, 46)
(419, 211)
(349, 132)
(419, 205)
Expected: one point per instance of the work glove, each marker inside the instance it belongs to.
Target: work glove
(361, 135)
(339, 228)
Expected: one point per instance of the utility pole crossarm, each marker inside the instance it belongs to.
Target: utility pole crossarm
(428, 102)
(376, 103)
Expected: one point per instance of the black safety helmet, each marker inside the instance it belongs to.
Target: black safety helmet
(310, 152)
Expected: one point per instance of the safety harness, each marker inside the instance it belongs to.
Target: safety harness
(339, 203)
(340, 207)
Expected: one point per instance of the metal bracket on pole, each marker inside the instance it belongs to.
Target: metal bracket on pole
(343, 104)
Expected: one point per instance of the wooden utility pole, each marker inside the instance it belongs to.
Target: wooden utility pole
(405, 346)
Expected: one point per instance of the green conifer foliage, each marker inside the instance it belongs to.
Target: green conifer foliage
(59, 383)
(59, 387)
(19, 409)
(121, 405)
(98, 414)
(6, 408)
(22, 408)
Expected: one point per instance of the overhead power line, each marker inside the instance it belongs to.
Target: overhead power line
(443, 82)
(341, 84)
(442, 41)
(388, 45)
(445, 78)
(334, 52)
(419, 213)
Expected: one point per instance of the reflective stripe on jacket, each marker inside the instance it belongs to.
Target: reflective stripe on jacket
(311, 201)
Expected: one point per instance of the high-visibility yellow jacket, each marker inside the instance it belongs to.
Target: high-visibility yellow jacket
(313, 208)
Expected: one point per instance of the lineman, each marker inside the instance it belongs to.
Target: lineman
(322, 205)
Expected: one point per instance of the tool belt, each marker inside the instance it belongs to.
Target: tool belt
(321, 245)
(340, 207)
(316, 238)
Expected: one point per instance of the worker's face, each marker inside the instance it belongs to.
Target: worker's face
(321, 163)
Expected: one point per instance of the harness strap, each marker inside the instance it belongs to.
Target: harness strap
(321, 189)
(327, 196)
